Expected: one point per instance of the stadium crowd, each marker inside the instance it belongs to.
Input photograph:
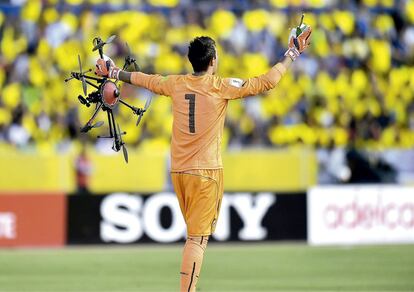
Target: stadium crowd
(353, 88)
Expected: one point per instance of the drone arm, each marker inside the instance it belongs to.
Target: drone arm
(125, 66)
(113, 123)
(98, 79)
(88, 125)
(133, 108)
(136, 67)
(91, 84)
(110, 116)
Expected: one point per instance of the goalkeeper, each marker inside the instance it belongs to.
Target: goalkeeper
(199, 104)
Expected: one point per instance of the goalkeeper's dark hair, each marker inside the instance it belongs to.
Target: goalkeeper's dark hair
(200, 53)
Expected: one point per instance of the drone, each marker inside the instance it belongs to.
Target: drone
(106, 97)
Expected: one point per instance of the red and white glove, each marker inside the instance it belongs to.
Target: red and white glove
(106, 68)
(299, 40)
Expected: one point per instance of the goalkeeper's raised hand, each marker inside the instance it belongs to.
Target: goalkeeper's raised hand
(299, 40)
(107, 68)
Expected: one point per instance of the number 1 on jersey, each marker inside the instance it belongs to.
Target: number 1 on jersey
(191, 111)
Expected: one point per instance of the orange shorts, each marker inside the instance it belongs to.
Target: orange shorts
(199, 194)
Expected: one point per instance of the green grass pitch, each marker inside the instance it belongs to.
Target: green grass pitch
(227, 267)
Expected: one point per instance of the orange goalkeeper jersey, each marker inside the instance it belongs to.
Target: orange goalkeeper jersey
(199, 105)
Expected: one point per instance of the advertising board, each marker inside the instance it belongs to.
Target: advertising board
(360, 214)
(32, 220)
(126, 218)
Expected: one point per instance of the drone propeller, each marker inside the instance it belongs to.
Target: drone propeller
(89, 127)
(82, 78)
(147, 104)
(98, 124)
(110, 39)
(99, 44)
(122, 144)
(125, 152)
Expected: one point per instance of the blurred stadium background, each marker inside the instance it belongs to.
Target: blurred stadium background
(327, 157)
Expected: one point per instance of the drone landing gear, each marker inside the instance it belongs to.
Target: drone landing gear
(88, 126)
(115, 133)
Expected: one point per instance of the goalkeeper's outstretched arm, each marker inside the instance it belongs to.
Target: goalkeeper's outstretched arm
(233, 88)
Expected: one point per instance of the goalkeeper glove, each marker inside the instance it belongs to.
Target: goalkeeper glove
(299, 40)
(106, 68)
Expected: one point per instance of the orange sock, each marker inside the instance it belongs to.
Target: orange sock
(193, 254)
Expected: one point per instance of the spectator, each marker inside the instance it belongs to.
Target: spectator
(83, 171)
(356, 81)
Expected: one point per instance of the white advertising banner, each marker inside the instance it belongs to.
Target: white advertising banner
(363, 214)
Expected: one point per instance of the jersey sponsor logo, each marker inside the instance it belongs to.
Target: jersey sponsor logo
(236, 82)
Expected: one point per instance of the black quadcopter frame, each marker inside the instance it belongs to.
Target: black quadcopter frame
(106, 97)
